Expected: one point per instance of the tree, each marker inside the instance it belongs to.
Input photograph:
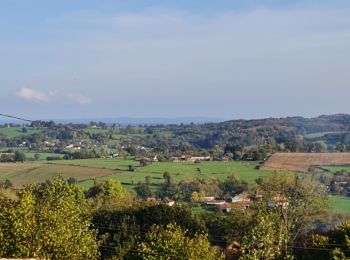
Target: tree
(233, 185)
(143, 190)
(167, 177)
(104, 152)
(72, 180)
(127, 225)
(37, 156)
(143, 162)
(289, 205)
(264, 240)
(20, 156)
(173, 242)
(335, 244)
(197, 197)
(148, 180)
(7, 184)
(168, 189)
(109, 188)
(204, 187)
(47, 221)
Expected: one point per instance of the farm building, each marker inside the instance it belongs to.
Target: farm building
(189, 158)
(242, 197)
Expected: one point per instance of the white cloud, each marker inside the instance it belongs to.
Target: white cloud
(32, 95)
(52, 95)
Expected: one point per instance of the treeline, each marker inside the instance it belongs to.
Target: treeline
(258, 138)
(191, 190)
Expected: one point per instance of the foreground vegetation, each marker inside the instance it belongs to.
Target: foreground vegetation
(57, 220)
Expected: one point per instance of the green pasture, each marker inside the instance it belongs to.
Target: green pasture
(179, 171)
(95, 130)
(42, 156)
(339, 204)
(13, 132)
(334, 169)
(316, 135)
(86, 171)
(21, 174)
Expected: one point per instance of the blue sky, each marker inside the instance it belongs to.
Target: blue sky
(225, 59)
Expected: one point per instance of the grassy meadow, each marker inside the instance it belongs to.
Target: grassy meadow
(21, 174)
(13, 132)
(334, 169)
(339, 204)
(85, 171)
(179, 171)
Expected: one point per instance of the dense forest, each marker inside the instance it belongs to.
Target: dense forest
(258, 132)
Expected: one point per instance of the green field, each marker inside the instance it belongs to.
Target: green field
(12, 132)
(42, 156)
(87, 170)
(28, 173)
(334, 169)
(179, 171)
(339, 204)
(318, 135)
(95, 130)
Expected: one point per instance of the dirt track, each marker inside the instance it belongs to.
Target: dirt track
(302, 162)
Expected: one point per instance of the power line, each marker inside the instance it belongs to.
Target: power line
(16, 117)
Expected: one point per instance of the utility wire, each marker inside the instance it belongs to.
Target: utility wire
(16, 117)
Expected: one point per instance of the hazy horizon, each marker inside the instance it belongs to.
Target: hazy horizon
(165, 59)
(144, 120)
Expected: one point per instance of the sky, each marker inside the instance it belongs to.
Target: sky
(199, 58)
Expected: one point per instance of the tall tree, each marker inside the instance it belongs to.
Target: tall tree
(20, 156)
(289, 205)
(48, 221)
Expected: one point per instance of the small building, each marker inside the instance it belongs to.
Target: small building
(216, 202)
(226, 208)
(206, 199)
(242, 197)
(152, 200)
(169, 202)
(189, 158)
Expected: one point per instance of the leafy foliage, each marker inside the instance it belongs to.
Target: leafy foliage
(125, 227)
(109, 188)
(143, 190)
(48, 221)
(172, 243)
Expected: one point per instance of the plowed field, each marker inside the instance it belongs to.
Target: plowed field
(305, 162)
